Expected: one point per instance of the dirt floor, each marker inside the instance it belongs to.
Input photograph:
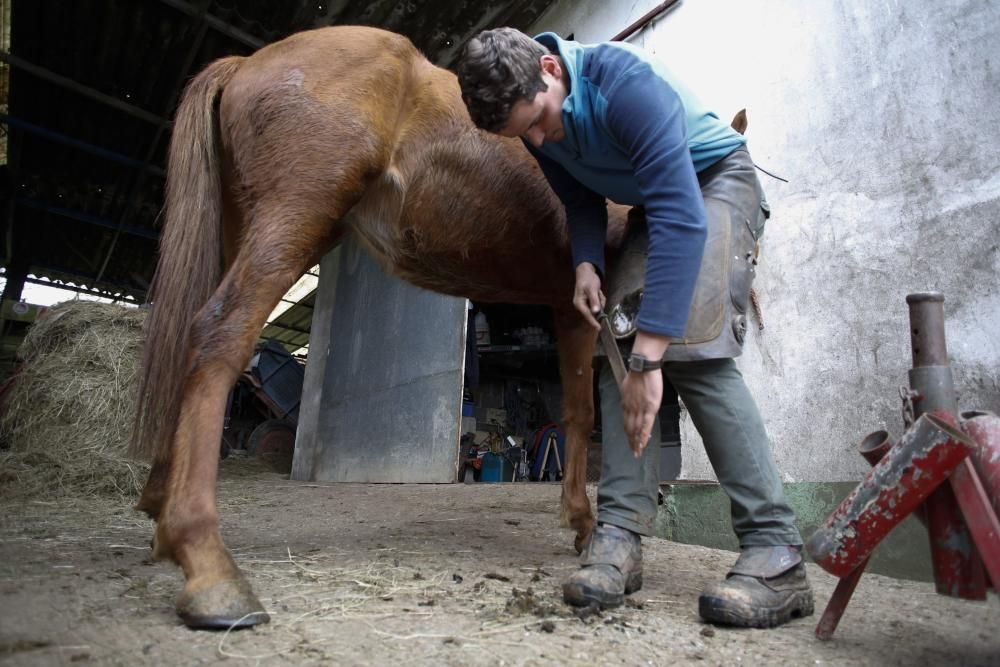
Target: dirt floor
(421, 575)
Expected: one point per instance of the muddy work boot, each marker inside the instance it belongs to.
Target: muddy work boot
(767, 587)
(612, 568)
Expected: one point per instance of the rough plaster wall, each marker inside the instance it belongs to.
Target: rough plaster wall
(885, 118)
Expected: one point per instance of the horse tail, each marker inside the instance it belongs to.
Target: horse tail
(190, 261)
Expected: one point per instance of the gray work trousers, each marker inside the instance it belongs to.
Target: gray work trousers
(713, 391)
(730, 425)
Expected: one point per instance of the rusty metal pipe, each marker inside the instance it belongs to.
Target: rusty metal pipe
(893, 488)
(984, 428)
(875, 446)
(643, 20)
(930, 376)
(927, 329)
(957, 567)
(981, 518)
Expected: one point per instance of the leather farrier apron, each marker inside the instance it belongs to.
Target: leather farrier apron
(717, 322)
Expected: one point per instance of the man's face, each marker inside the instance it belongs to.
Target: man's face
(540, 120)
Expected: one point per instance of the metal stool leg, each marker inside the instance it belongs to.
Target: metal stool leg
(837, 605)
(980, 517)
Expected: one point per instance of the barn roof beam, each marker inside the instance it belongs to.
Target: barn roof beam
(216, 23)
(62, 275)
(80, 216)
(77, 143)
(81, 289)
(78, 87)
(287, 327)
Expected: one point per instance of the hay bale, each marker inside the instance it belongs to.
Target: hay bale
(69, 414)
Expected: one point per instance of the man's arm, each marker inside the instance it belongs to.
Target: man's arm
(646, 117)
(587, 220)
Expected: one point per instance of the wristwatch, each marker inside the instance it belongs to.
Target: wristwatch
(640, 364)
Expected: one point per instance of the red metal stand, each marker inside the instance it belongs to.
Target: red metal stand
(909, 477)
(979, 516)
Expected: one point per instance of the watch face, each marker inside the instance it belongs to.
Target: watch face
(640, 364)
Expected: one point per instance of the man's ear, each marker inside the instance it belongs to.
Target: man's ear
(551, 65)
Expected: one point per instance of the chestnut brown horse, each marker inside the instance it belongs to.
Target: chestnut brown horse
(274, 159)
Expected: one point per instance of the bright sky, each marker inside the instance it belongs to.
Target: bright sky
(47, 295)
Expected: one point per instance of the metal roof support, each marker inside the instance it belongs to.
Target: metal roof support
(80, 216)
(76, 143)
(643, 20)
(296, 303)
(286, 327)
(216, 23)
(86, 91)
(85, 278)
(79, 290)
(15, 264)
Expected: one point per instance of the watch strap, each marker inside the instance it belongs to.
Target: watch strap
(642, 364)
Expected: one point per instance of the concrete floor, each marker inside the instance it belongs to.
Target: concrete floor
(418, 574)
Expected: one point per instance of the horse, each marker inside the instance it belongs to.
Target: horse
(274, 159)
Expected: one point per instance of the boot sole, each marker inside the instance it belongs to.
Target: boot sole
(721, 611)
(584, 596)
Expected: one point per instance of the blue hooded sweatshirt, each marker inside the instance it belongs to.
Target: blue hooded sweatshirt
(637, 136)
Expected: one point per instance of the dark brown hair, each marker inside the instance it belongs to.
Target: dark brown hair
(498, 68)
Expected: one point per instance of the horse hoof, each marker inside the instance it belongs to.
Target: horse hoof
(581, 541)
(229, 604)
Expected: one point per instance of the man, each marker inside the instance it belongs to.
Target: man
(609, 121)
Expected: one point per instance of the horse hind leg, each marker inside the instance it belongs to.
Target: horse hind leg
(271, 257)
(154, 493)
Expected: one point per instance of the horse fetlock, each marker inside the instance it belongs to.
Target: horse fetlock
(154, 493)
(196, 546)
(581, 540)
(159, 551)
(579, 517)
(151, 505)
(564, 516)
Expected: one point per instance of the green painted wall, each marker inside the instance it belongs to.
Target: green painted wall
(698, 513)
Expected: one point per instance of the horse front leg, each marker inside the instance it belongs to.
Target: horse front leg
(576, 341)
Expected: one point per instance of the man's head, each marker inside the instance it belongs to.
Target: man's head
(513, 86)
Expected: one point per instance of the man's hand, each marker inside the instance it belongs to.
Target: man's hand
(641, 396)
(587, 296)
(643, 392)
